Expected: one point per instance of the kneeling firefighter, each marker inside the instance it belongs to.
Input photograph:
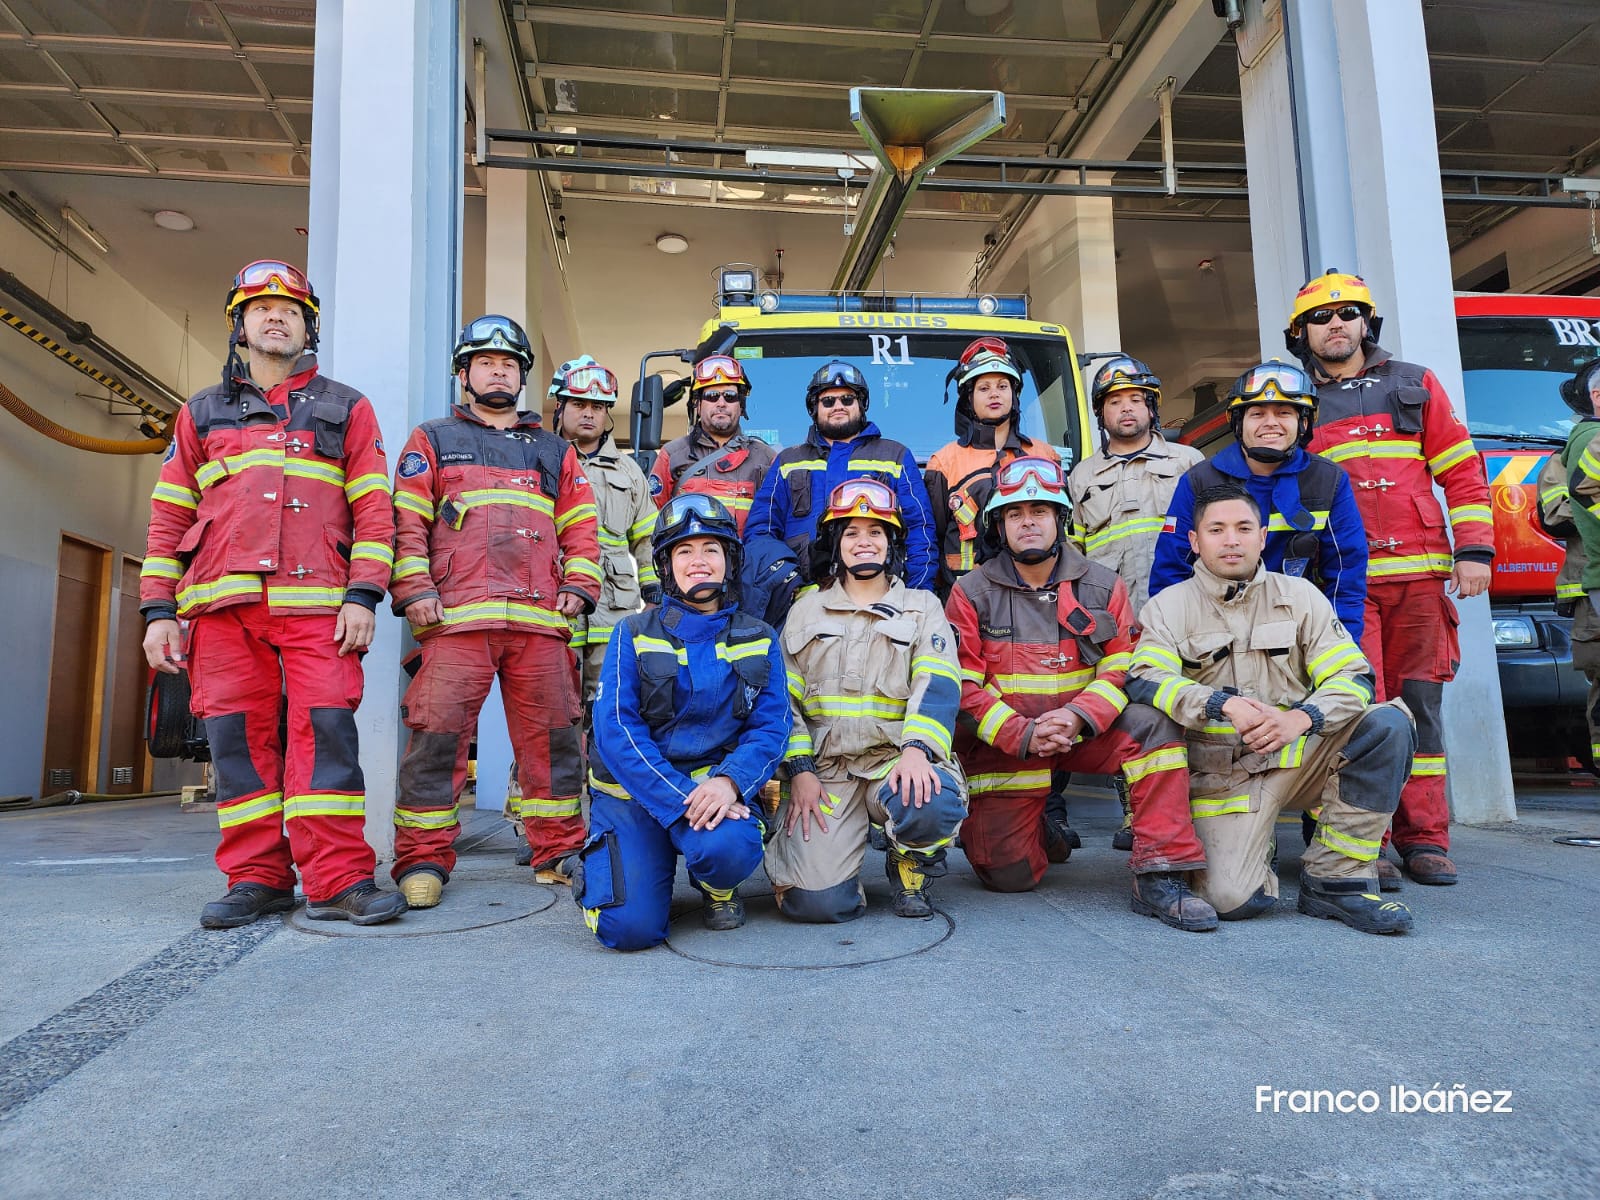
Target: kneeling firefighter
(690, 720)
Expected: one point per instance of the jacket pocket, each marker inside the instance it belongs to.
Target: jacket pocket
(1429, 515)
(1408, 402)
(190, 541)
(338, 558)
(1200, 651)
(603, 883)
(889, 659)
(1282, 679)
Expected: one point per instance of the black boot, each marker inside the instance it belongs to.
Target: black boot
(1165, 895)
(1356, 902)
(243, 904)
(1122, 839)
(721, 910)
(911, 885)
(1258, 903)
(1060, 838)
(363, 903)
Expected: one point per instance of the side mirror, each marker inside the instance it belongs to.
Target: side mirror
(721, 341)
(644, 422)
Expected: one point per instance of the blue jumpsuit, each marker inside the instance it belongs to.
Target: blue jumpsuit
(682, 696)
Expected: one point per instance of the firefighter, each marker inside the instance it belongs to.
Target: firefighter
(1277, 701)
(1121, 492)
(271, 531)
(1045, 638)
(585, 393)
(875, 689)
(1390, 425)
(497, 550)
(690, 721)
(1314, 527)
(716, 457)
(960, 475)
(1579, 465)
(842, 444)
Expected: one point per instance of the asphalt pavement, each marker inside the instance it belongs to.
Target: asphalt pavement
(1050, 1044)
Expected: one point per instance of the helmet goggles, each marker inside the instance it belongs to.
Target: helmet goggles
(1273, 381)
(838, 374)
(270, 277)
(870, 498)
(719, 369)
(492, 333)
(585, 379)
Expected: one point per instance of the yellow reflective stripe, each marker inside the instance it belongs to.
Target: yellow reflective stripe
(759, 648)
(509, 611)
(799, 742)
(968, 675)
(1278, 523)
(414, 504)
(887, 466)
(537, 501)
(1380, 565)
(361, 485)
(644, 644)
(647, 574)
(1134, 527)
(1588, 463)
(596, 784)
(934, 665)
(373, 552)
(1120, 661)
(208, 474)
(1471, 512)
(1109, 692)
(997, 716)
(1553, 493)
(844, 707)
(1291, 755)
(1218, 807)
(323, 804)
(156, 567)
(612, 541)
(1449, 457)
(412, 818)
(218, 589)
(230, 814)
(321, 472)
(1158, 657)
(1361, 449)
(1427, 764)
(919, 728)
(1009, 781)
(643, 527)
(1020, 683)
(1330, 661)
(1351, 847)
(802, 464)
(1223, 728)
(412, 564)
(539, 807)
(1167, 694)
(1355, 687)
(797, 685)
(578, 565)
(1569, 591)
(1172, 758)
(172, 493)
(578, 512)
(303, 597)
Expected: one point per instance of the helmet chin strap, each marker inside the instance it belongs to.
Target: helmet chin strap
(496, 400)
(866, 570)
(1032, 557)
(701, 592)
(1265, 454)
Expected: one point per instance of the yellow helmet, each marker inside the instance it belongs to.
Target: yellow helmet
(1331, 289)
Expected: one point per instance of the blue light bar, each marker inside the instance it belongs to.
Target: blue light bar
(978, 306)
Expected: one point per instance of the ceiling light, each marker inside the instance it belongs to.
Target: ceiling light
(87, 230)
(672, 243)
(171, 218)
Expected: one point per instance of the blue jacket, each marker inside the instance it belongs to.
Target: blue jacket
(796, 489)
(1341, 537)
(669, 703)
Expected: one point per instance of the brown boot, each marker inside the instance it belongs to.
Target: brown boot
(1165, 896)
(1426, 864)
(1389, 876)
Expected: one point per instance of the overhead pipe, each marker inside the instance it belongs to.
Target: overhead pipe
(36, 420)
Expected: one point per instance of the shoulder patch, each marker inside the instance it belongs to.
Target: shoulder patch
(412, 464)
(582, 479)
(655, 484)
(377, 444)
(172, 450)
(938, 642)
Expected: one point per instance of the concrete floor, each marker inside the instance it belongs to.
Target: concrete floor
(1042, 1045)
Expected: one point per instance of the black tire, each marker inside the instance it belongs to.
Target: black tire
(169, 726)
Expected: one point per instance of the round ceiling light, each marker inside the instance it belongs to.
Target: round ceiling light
(169, 218)
(672, 243)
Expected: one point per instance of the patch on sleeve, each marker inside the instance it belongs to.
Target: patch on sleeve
(655, 485)
(583, 479)
(172, 450)
(412, 464)
(377, 444)
(939, 643)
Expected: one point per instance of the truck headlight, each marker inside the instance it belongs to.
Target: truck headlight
(1514, 631)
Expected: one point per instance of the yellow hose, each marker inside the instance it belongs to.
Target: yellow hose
(14, 404)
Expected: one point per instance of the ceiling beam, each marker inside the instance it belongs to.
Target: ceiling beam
(89, 43)
(178, 99)
(52, 167)
(203, 140)
(262, 90)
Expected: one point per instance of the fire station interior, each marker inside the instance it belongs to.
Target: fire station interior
(147, 150)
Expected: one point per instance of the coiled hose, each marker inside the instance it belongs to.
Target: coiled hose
(15, 405)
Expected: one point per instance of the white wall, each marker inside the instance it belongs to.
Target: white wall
(1543, 248)
(47, 488)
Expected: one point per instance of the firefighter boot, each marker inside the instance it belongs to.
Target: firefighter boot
(1353, 901)
(1122, 839)
(243, 904)
(1429, 864)
(1389, 877)
(1165, 895)
(1060, 839)
(721, 910)
(557, 870)
(910, 884)
(422, 887)
(361, 904)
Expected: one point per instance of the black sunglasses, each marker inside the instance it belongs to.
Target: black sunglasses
(1346, 312)
(834, 401)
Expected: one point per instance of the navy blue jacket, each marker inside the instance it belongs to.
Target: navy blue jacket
(1341, 537)
(814, 468)
(658, 731)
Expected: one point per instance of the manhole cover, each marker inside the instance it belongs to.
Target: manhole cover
(770, 942)
(467, 904)
(1577, 841)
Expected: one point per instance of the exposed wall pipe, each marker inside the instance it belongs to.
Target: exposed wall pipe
(30, 417)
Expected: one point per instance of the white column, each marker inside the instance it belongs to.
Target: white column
(1379, 56)
(386, 180)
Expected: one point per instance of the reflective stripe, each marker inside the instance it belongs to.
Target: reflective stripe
(1109, 692)
(322, 472)
(919, 728)
(1351, 847)
(303, 597)
(325, 804)
(1291, 755)
(1570, 591)
(802, 464)
(597, 784)
(968, 675)
(156, 567)
(172, 493)
(412, 818)
(1170, 758)
(887, 466)
(1471, 512)
(1331, 661)
(578, 512)
(1009, 781)
(642, 643)
(759, 648)
(1427, 764)
(1218, 807)
(515, 498)
(412, 564)
(1363, 449)
(1158, 657)
(997, 716)
(1452, 456)
(934, 665)
(797, 685)
(846, 707)
(535, 807)
(364, 485)
(799, 741)
(642, 528)
(1167, 694)
(1356, 687)
(577, 565)
(372, 552)
(511, 612)
(209, 474)
(1120, 661)
(231, 813)
(1278, 523)
(1018, 683)
(1380, 565)
(1134, 527)
(414, 504)
(1554, 493)
(218, 589)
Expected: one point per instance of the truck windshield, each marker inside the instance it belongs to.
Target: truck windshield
(905, 373)
(1512, 368)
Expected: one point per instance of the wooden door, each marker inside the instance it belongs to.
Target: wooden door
(77, 667)
(127, 767)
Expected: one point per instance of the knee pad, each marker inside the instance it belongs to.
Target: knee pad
(830, 906)
(230, 757)
(336, 766)
(427, 771)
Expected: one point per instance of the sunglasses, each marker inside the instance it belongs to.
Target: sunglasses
(730, 396)
(837, 401)
(589, 381)
(1345, 312)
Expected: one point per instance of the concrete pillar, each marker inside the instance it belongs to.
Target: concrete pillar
(1378, 55)
(1072, 271)
(386, 181)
